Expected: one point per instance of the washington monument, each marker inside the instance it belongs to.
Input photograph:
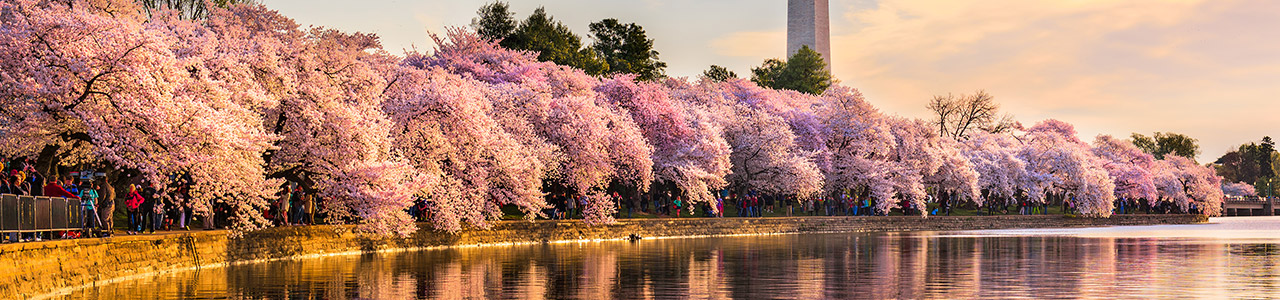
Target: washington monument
(808, 24)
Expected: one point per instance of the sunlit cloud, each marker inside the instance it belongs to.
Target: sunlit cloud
(1111, 67)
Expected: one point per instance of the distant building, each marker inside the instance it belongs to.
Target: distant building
(809, 23)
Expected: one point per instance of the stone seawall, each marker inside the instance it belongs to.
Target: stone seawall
(45, 268)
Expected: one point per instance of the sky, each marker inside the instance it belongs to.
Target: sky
(1209, 69)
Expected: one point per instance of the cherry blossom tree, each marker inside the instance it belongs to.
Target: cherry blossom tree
(859, 143)
(443, 129)
(1001, 172)
(1058, 162)
(1238, 189)
(1192, 187)
(765, 155)
(585, 144)
(247, 99)
(321, 92)
(86, 82)
(689, 149)
(1128, 166)
(939, 160)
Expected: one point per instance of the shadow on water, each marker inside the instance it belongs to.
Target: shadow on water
(922, 265)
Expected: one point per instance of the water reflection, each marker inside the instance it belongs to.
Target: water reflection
(982, 265)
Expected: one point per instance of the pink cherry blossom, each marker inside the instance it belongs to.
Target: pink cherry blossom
(1058, 162)
(1238, 189)
(1001, 172)
(1128, 166)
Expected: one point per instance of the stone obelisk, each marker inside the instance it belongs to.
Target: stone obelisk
(809, 24)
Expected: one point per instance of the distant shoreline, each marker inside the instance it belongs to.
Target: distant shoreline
(51, 268)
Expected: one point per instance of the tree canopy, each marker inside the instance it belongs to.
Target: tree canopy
(1255, 163)
(804, 72)
(718, 73)
(495, 21)
(626, 49)
(246, 100)
(554, 42)
(957, 116)
(1161, 144)
(618, 48)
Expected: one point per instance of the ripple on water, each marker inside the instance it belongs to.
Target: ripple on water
(1227, 258)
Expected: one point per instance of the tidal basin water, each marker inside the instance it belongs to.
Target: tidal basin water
(1231, 258)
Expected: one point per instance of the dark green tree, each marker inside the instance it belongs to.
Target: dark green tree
(767, 74)
(804, 71)
(626, 49)
(718, 73)
(1165, 143)
(1253, 163)
(554, 42)
(495, 21)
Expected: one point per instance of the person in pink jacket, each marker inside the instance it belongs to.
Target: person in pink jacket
(132, 201)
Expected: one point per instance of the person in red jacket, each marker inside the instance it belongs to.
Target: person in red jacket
(132, 201)
(53, 189)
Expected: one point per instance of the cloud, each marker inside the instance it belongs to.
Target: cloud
(1115, 67)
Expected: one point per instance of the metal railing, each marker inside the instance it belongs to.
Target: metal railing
(38, 214)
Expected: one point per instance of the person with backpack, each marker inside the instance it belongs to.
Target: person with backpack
(90, 204)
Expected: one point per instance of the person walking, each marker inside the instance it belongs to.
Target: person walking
(720, 207)
(295, 205)
(133, 203)
(282, 205)
(678, 203)
(791, 204)
(153, 209)
(311, 209)
(570, 204)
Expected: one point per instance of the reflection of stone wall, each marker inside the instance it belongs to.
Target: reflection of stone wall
(31, 269)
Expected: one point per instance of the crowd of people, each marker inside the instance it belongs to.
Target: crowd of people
(757, 204)
(21, 178)
(149, 209)
(146, 207)
(749, 204)
(295, 206)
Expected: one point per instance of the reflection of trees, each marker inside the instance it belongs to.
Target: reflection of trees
(1256, 267)
(844, 266)
(953, 268)
(706, 277)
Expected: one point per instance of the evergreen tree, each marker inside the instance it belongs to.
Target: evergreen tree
(718, 73)
(626, 49)
(554, 42)
(1253, 163)
(767, 74)
(496, 21)
(805, 72)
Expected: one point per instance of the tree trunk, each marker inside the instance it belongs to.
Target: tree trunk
(46, 161)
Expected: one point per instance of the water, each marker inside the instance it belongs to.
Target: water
(1231, 258)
